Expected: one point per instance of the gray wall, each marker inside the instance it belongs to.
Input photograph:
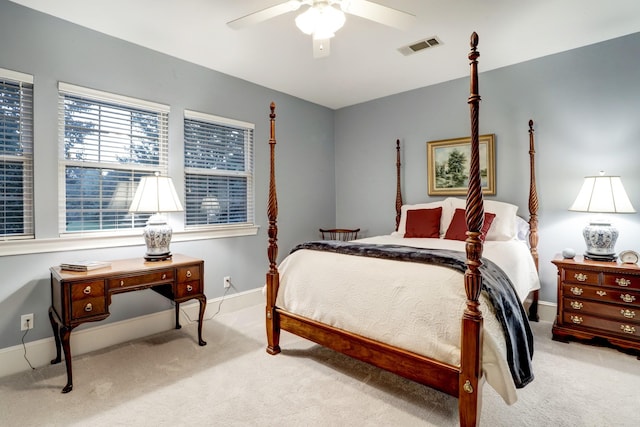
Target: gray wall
(584, 102)
(585, 105)
(54, 50)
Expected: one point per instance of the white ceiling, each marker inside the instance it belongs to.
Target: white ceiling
(364, 63)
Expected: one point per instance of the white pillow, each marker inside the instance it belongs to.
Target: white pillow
(503, 226)
(402, 226)
(522, 229)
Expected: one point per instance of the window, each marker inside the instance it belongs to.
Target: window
(107, 142)
(218, 155)
(16, 155)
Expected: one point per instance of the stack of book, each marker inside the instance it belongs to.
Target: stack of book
(84, 265)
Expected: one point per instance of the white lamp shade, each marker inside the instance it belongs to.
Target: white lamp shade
(155, 194)
(603, 194)
(322, 21)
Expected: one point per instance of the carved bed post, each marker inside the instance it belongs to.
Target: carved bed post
(273, 276)
(472, 322)
(398, 186)
(533, 219)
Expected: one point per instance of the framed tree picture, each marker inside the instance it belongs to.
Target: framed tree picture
(448, 166)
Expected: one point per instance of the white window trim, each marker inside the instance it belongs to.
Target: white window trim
(196, 115)
(71, 243)
(111, 97)
(16, 75)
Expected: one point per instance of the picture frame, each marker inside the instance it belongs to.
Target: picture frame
(447, 154)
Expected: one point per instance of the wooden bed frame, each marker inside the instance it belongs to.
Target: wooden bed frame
(463, 382)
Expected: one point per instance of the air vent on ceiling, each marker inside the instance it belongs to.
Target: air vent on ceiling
(420, 45)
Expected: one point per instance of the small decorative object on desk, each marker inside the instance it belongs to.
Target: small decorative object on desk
(568, 253)
(84, 265)
(629, 257)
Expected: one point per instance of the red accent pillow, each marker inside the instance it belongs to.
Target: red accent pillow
(458, 228)
(423, 223)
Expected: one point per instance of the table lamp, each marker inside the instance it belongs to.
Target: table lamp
(601, 194)
(156, 194)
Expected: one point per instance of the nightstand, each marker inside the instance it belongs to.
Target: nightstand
(598, 300)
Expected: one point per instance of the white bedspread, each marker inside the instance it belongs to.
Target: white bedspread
(412, 306)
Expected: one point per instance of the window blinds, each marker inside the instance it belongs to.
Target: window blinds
(107, 142)
(218, 171)
(16, 155)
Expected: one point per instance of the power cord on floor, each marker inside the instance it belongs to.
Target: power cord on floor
(222, 299)
(226, 290)
(24, 346)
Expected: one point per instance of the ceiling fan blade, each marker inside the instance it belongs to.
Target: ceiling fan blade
(376, 12)
(321, 48)
(265, 14)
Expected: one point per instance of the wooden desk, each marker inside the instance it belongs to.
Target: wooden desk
(79, 297)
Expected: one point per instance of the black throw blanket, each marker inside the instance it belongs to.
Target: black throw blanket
(495, 283)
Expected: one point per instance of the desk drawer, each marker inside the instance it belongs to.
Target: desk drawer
(88, 307)
(84, 290)
(189, 273)
(151, 278)
(188, 289)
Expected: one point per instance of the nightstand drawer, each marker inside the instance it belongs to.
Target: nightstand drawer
(601, 294)
(626, 329)
(615, 312)
(146, 279)
(583, 277)
(621, 281)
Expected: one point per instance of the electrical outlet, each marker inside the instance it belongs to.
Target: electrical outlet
(227, 282)
(26, 322)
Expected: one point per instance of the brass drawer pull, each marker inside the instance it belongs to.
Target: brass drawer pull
(121, 282)
(621, 281)
(627, 298)
(601, 293)
(87, 290)
(164, 276)
(576, 291)
(629, 314)
(189, 288)
(188, 274)
(88, 307)
(580, 277)
(628, 329)
(576, 305)
(576, 319)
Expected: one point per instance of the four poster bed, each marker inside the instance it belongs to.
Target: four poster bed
(395, 301)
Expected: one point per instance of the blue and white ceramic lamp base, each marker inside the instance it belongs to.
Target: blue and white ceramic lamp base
(600, 238)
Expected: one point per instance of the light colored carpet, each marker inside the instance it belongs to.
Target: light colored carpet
(167, 379)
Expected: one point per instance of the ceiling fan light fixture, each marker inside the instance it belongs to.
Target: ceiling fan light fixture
(320, 20)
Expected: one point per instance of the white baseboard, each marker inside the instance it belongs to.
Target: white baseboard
(547, 311)
(41, 352)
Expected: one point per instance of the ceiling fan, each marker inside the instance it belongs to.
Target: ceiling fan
(322, 18)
